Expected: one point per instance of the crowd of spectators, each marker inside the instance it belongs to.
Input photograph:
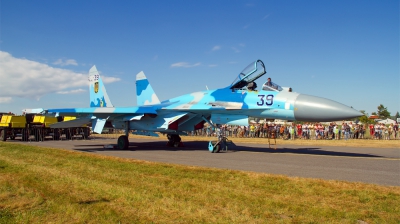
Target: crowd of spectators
(316, 131)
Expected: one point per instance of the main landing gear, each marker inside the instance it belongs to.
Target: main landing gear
(174, 140)
(123, 142)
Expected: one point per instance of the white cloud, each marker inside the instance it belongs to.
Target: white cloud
(184, 65)
(216, 48)
(30, 79)
(265, 17)
(5, 99)
(74, 91)
(212, 65)
(65, 62)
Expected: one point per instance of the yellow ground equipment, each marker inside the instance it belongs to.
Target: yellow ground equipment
(11, 125)
(37, 127)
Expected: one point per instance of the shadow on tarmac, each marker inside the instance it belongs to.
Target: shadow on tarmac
(203, 146)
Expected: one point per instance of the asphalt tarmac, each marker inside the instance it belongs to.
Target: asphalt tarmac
(369, 165)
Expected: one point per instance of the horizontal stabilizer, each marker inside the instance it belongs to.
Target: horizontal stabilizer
(72, 123)
(33, 111)
(104, 112)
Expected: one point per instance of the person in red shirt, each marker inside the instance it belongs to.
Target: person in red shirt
(371, 130)
(299, 130)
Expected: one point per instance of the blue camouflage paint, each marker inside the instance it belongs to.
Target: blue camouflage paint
(144, 92)
(229, 105)
(97, 90)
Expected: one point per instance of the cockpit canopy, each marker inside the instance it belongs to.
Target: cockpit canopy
(271, 86)
(252, 72)
(245, 79)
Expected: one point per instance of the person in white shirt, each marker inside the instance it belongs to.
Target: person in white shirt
(385, 132)
(304, 129)
(390, 130)
(378, 133)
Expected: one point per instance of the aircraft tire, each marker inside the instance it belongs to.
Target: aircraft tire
(216, 149)
(123, 142)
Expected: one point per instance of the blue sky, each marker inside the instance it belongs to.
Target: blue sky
(347, 51)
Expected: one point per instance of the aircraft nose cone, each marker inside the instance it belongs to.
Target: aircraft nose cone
(312, 108)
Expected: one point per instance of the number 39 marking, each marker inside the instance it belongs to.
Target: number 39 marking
(267, 99)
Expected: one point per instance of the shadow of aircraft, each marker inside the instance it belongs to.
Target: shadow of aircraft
(203, 146)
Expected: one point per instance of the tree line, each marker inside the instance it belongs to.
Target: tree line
(381, 112)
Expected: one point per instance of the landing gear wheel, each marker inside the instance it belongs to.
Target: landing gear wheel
(174, 140)
(123, 142)
(217, 149)
(214, 146)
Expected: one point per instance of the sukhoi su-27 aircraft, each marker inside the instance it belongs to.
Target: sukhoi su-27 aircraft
(232, 105)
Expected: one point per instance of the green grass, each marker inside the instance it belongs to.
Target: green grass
(43, 185)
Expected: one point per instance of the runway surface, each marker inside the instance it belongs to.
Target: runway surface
(368, 165)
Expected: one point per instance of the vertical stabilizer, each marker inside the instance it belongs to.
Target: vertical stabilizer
(144, 92)
(98, 93)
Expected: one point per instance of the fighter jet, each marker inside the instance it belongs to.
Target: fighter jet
(232, 105)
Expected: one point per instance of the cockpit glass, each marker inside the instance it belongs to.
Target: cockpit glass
(251, 73)
(271, 86)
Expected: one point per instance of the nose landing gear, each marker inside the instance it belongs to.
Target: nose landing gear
(221, 144)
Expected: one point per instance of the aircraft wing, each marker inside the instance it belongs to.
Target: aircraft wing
(72, 123)
(103, 112)
(99, 115)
